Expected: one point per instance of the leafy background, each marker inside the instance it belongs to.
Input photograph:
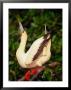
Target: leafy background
(33, 21)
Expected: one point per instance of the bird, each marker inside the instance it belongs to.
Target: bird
(39, 52)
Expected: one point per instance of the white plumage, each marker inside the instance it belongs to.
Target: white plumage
(25, 59)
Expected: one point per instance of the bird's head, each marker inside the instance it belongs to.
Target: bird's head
(22, 31)
(47, 33)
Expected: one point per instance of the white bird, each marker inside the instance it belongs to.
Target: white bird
(39, 52)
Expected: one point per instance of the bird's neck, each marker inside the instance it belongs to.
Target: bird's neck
(23, 42)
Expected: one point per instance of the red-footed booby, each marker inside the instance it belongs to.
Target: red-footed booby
(39, 52)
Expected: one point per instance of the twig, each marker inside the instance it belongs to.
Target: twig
(53, 64)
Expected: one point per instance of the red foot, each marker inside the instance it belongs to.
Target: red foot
(33, 72)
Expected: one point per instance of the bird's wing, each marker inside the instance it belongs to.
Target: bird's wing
(45, 55)
(43, 58)
(33, 50)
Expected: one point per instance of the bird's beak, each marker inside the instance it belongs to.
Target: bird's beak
(45, 29)
(20, 27)
(47, 32)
